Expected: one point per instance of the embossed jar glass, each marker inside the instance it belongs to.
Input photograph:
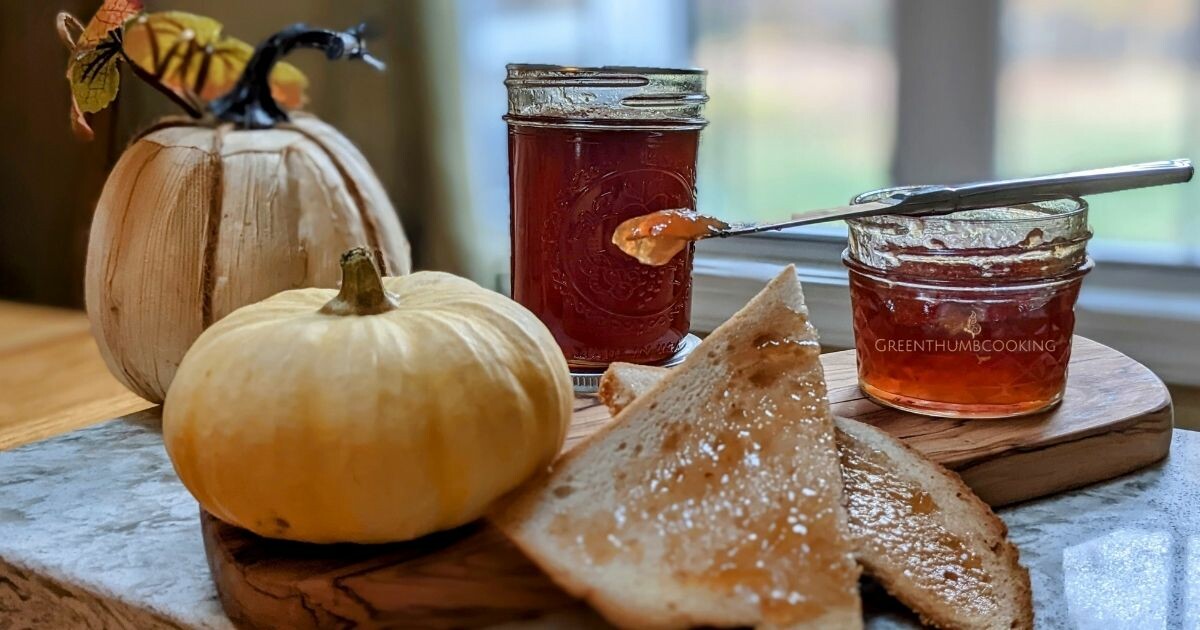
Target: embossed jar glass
(971, 314)
(588, 149)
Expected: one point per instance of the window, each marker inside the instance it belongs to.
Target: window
(802, 93)
(813, 101)
(802, 104)
(492, 33)
(804, 109)
(1087, 83)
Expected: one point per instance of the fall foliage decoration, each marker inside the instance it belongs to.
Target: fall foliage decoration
(187, 57)
(234, 202)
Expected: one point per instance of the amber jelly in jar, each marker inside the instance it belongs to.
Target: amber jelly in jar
(970, 314)
(588, 149)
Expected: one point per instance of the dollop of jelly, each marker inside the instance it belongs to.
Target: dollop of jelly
(655, 238)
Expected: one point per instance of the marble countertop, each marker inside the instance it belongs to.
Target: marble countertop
(97, 532)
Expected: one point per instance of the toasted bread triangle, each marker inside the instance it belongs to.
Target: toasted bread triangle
(891, 524)
(714, 499)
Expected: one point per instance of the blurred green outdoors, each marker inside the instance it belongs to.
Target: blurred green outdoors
(803, 111)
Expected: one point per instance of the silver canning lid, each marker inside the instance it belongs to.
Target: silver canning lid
(1051, 232)
(643, 96)
(589, 382)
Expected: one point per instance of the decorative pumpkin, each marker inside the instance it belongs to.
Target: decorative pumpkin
(202, 216)
(383, 412)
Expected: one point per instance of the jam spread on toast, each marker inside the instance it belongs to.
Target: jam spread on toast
(890, 516)
(741, 491)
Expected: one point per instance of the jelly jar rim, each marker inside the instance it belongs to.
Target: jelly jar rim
(555, 68)
(1075, 206)
(1042, 238)
(571, 96)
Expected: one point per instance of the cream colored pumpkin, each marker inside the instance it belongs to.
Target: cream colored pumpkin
(303, 418)
(196, 221)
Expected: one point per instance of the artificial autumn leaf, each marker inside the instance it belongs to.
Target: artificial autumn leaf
(229, 59)
(189, 55)
(79, 123)
(288, 85)
(94, 80)
(92, 70)
(111, 15)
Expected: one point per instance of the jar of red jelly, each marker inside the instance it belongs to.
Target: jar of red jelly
(970, 314)
(588, 149)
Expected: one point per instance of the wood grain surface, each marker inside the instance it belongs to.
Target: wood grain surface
(1116, 417)
(52, 378)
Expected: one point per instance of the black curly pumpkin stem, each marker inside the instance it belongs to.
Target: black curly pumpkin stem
(249, 105)
(362, 291)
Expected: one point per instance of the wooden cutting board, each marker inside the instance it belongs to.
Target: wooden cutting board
(1116, 417)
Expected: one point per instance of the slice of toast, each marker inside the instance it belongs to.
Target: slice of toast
(712, 500)
(918, 529)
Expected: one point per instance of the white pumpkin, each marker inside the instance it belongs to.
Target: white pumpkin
(378, 413)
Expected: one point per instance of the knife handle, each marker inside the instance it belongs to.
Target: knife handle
(945, 199)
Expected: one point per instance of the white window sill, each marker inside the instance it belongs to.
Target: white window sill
(1150, 312)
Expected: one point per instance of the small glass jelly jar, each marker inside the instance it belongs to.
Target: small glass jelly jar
(971, 314)
(589, 148)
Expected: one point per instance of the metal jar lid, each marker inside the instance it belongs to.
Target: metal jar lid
(674, 97)
(1041, 236)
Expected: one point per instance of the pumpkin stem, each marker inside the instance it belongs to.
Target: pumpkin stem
(249, 105)
(362, 291)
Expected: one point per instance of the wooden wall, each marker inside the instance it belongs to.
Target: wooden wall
(49, 182)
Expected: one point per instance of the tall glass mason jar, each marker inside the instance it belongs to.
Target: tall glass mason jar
(589, 148)
(971, 314)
